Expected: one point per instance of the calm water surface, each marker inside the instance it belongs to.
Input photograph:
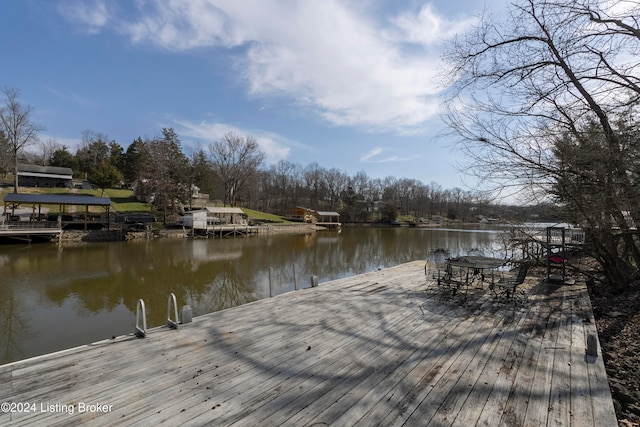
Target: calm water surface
(54, 298)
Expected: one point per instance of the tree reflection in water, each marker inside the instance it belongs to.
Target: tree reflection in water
(52, 299)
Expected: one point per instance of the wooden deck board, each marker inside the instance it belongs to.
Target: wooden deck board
(290, 365)
(376, 395)
(457, 398)
(289, 402)
(402, 364)
(382, 348)
(438, 385)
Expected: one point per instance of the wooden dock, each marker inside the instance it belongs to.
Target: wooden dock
(227, 230)
(382, 348)
(29, 230)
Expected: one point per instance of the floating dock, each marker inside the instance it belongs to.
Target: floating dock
(382, 348)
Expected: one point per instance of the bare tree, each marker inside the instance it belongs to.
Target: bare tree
(5, 154)
(235, 160)
(312, 176)
(19, 131)
(543, 76)
(335, 181)
(47, 148)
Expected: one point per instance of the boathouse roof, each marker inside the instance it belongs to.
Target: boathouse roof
(226, 210)
(56, 199)
(327, 213)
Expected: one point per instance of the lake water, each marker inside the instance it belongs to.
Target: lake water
(52, 298)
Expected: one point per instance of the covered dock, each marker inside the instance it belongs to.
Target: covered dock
(218, 222)
(13, 201)
(328, 219)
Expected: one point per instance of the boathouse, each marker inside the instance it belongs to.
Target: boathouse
(328, 219)
(234, 216)
(44, 176)
(211, 216)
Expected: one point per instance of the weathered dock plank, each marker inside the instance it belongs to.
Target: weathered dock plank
(245, 391)
(405, 361)
(490, 374)
(435, 381)
(383, 348)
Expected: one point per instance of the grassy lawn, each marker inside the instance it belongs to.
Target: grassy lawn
(263, 216)
(122, 200)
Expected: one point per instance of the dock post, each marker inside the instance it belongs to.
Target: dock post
(295, 279)
(187, 314)
(592, 345)
(173, 324)
(314, 281)
(141, 332)
(270, 282)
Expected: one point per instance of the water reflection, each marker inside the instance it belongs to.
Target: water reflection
(52, 298)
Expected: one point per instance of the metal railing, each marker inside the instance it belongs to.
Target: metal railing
(29, 225)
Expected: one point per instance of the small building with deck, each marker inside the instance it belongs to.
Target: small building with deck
(301, 214)
(44, 176)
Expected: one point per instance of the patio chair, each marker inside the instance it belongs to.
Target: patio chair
(506, 288)
(447, 282)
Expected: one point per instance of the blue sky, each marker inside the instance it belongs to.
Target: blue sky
(347, 84)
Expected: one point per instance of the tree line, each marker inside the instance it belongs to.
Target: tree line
(233, 170)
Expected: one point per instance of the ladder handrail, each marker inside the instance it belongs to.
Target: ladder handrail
(141, 332)
(173, 324)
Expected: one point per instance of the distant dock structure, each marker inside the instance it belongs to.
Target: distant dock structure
(324, 219)
(30, 231)
(26, 216)
(328, 219)
(218, 222)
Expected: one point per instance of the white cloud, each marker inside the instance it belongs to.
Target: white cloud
(371, 154)
(375, 156)
(427, 27)
(274, 146)
(332, 58)
(91, 15)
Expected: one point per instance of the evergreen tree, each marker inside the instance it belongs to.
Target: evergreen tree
(63, 158)
(134, 160)
(104, 175)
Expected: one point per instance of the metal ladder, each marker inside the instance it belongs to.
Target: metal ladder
(141, 316)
